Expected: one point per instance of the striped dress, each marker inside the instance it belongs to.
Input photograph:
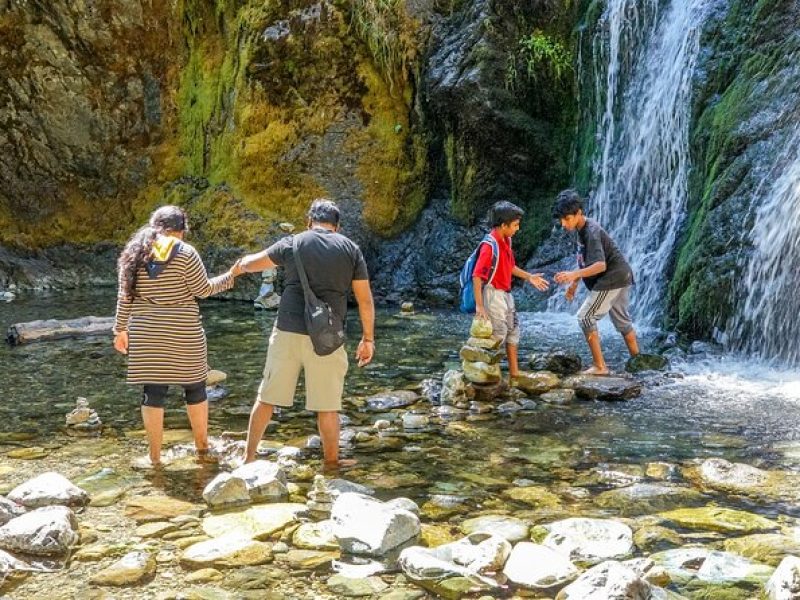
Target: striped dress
(166, 341)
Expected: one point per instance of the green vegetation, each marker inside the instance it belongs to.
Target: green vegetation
(539, 56)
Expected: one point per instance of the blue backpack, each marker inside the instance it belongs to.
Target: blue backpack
(467, 294)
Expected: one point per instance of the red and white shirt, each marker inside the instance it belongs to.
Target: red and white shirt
(506, 264)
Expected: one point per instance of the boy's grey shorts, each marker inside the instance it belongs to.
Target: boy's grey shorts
(606, 302)
(502, 313)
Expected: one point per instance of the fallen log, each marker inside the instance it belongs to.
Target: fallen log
(53, 329)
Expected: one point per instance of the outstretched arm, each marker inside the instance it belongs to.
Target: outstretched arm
(535, 279)
(254, 263)
(366, 311)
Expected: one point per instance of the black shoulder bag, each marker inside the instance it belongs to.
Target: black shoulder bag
(325, 327)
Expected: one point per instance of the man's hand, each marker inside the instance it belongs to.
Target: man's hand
(566, 277)
(237, 268)
(539, 282)
(570, 293)
(121, 342)
(364, 352)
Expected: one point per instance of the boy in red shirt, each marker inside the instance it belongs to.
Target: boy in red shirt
(493, 300)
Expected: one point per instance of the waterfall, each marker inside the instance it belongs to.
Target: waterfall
(765, 322)
(644, 59)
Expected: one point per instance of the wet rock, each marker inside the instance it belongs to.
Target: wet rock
(132, 569)
(538, 567)
(590, 540)
(315, 536)
(660, 470)
(389, 400)
(480, 372)
(256, 522)
(265, 481)
(609, 580)
(592, 387)
(535, 496)
(9, 509)
(654, 538)
(478, 553)
(715, 518)
(561, 363)
(766, 548)
(31, 453)
(437, 534)
(487, 392)
(537, 382)
(226, 490)
(509, 528)
(724, 476)
(351, 587)
(367, 526)
(155, 529)
(404, 504)
(227, 551)
(489, 343)
(480, 328)
(646, 362)
(558, 397)
(477, 354)
(51, 530)
(407, 308)
(309, 559)
(157, 508)
(785, 581)
(454, 388)
(342, 486)
(646, 498)
(415, 422)
(48, 489)
(710, 566)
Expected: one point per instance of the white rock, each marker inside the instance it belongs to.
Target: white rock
(48, 489)
(9, 509)
(607, 581)
(785, 581)
(405, 504)
(226, 551)
(315, 536)
(590, 540)
(364, 525)
(538, 567)
(511, 528)
(133, 568)
(226, 490)
(9, 563)
(265, 480)
(50, 530)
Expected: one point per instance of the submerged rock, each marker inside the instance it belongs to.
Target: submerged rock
(364, 525)
(51, 530)
(767, 548)
(561, 363)
(654, 538)
(389, 400)
(590, 540)
(133, 568)
(48, 489)
(559, 396)
(646, 498)
(785, 581)
(646, 362)
(593, 387)
(710, 566)
(538, 567)
(715, 518)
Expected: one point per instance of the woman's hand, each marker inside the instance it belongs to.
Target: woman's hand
(121, 342)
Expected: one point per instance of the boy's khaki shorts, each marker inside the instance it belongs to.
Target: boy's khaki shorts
(287, 355)
(502, 313)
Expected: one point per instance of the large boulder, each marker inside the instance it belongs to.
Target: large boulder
(47, 531)
(609, 580)
(590, 540)
(265, 481)
(364, 525)
(538, 567)
(785, 581)
(225, 491)
(48, 489)
(594, 387)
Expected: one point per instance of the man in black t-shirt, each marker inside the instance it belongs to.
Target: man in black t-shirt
(333, 264)
(605, 272)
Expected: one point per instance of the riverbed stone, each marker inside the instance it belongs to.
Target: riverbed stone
(558, 396)
(590, 540)
(256, 522)
(226, 491)
(512, 529)
(475, 554)
(646, 498)
(720, 475)
(132, 569)
(610, 388)
(309, 559)
(766, 548)
(536, 382)
(386, 401)
(655, 538)
(489, 343)
(610, 580)
(157, 508)
(437, 534)
(725, 567)
(205, 575)
(716, 518)
(538, 567)
(230, 550)
(155, 529)
(9, 509)
(352, 587)
(315, 536)
(46, 531)
(559, 362)
(534, 495)
(364, 525)
(481, 372)
(48, 489)
(646, 362)
(785, 581)
(477, 354)
(266, 481)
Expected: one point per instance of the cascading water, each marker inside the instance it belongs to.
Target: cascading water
(642, 161)
(766, 320)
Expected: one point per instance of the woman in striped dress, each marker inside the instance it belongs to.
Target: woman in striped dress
(158, 323)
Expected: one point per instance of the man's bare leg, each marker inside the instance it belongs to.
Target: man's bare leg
(598, 362)
(153, 419)
(631, 342)
(328, 424)
(260, 416)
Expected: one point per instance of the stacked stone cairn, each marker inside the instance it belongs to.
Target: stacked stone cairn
(268, 298)
(83, 420)
(320, 499)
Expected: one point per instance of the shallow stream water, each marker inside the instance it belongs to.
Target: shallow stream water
(709, 406)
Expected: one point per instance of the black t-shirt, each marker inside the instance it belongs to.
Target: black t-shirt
(595, 245)
(332, 262)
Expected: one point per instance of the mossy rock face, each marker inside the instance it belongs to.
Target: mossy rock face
(646, 362)
(646, 498)
(714, 518)
(654, 538)
(536, 496)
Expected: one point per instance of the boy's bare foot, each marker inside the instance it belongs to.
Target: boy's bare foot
(593, 370)
(342, 463)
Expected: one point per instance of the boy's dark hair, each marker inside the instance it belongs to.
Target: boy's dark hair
(504, 212)
(567, 203)
(324, 211)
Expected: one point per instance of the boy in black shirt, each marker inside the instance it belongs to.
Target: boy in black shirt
(605, 272)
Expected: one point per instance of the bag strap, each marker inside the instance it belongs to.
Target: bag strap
(310, 297)
(495, 254)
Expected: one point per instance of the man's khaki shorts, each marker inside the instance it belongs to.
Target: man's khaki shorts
(288, 354)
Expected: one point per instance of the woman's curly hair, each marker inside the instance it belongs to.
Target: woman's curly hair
(138, 249)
